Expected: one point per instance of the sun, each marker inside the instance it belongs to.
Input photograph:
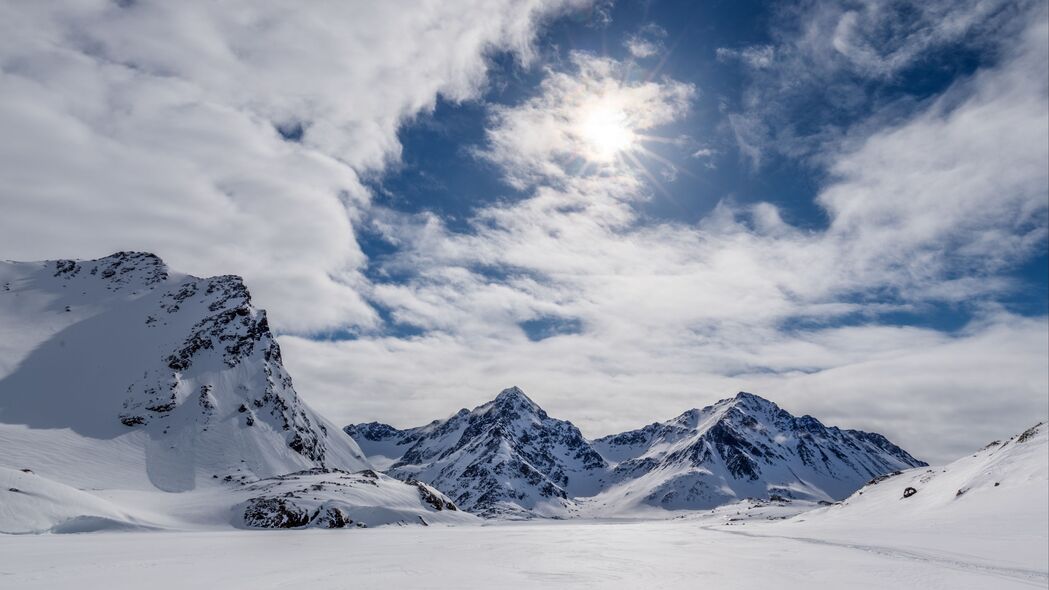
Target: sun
(606, 132)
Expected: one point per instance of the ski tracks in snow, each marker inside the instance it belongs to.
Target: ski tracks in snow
(1035, 578)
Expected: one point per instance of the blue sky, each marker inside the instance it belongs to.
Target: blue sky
(628, 209)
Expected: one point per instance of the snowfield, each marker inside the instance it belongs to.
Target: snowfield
(543, 554)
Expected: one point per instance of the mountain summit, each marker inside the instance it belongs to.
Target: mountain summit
(504, 458)
(745, 446)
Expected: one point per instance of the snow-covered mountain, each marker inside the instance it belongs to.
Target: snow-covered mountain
(121, 380)
(509, 457)
(742, 447)
(121, 348)
(504, 458)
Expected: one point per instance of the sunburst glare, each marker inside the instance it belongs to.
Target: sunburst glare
(606, 132)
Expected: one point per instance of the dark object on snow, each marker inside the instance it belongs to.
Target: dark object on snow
(132, 420)
(1029, 433)
(882, 478)
(997, 483)
(432, 497)
(16, 490)
(907, 493)
(26, 470)
(330, 518)
(274, 513)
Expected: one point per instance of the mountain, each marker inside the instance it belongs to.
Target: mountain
(508, 457)
(504, 458)
(123, 348)
(122, 380)
(741, 447)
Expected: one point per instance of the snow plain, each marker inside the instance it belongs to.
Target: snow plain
(566, 554)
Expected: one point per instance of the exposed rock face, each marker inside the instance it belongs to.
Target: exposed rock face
(232, 330)
(335, 499)
(432, 497)
(274, 513)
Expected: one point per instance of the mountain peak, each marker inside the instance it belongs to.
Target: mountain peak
(514, 395)
(744, 396)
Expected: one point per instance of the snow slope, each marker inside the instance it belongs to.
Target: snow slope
(30, 503)
(122, 382)
(990, 509)
(742, 447)
(504, 458)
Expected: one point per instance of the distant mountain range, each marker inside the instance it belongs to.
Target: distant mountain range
(121, 379)
(509, 458)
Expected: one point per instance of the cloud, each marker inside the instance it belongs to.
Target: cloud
(835, 62)
(670, 315)
(938, 396)
(229, 138)
(550, 136)
(757, 56)
(646, 42)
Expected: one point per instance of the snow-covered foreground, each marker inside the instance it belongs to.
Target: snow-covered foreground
(573, 554)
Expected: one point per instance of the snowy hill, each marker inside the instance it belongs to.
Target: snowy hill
(122, 381)
(1002, 476)
(990, 508)
(742, 447)
(30, 503)
(504, 458)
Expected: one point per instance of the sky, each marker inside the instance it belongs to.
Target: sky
(627, 209)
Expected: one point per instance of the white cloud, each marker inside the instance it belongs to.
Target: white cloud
(153, 126)
(646, 42)
(756, 56)
(642, 48)
(937, 396)
(828, 60)
(673, 315)
(550, 136)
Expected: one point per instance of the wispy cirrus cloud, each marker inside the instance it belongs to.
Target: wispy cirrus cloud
(832, 62)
